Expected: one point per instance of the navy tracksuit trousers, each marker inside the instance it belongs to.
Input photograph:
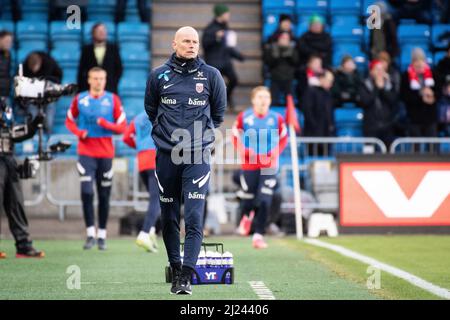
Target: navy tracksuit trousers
(153, 210)
(257, 191)
(188, 182)
(98, 171)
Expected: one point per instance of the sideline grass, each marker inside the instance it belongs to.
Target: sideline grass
(127, 272)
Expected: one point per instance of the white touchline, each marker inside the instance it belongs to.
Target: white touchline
(261, 290)
(414, 280)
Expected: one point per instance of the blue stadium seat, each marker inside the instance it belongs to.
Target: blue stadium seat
(101, 10)
(436, 31)
(347, 32)
(271, 5)
(344, 19)
(133, 106)
(64, 38)
(35, 10)
(348, 121)
(135, 59)
(345, 7)
(66, 59)
(128, 85)
(133, 31)
(69, 75)
(136, 73)
(110, 28)
(7, 25)
(419, 33)
(271, 21)
(309, 7)
(32, 33)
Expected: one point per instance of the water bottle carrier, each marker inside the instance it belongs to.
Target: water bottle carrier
(208, 273)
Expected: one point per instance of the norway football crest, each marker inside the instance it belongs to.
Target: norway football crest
(199, 87)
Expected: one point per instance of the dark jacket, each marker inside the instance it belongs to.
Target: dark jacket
(5, 76)
(315, 43)
(216, 51)
(346, 87)
(49, 70)
(317, 106)
(281, 61)
(111, 63)
(389, 32)
(418, 111)
(379, 107)
(178, 94)
(440, 72)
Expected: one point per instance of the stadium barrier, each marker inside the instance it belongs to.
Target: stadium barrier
(420, 145)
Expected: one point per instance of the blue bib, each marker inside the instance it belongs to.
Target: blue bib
(90, 109)
(260, 134)
(143, 127)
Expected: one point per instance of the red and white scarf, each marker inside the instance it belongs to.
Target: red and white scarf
(313, 79)
(414, 82)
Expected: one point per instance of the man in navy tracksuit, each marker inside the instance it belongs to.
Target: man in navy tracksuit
(185, 100)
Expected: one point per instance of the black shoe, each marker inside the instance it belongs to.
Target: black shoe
(101, 244)
(29, 252)
(184, 285)
(176, 273)
(90, 242)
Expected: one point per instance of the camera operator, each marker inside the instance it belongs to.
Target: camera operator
(11, 195)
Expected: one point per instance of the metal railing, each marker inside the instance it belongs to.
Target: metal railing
(420, 145)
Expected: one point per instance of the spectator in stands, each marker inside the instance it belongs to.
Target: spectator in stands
(418, 95)
(281, 57)
(315, 42)
(6, 42)
(392, 71)
(378, 100)
(317, 106)
(419, 10)
(100, 54)
(285, 25)
(441, 71)
(39, 64)
(144, 11)
(16, 9)
(444, 109)
(219, 45)
(384, 39)
(309, 75)
(347, 82)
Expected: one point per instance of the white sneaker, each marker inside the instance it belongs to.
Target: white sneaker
(147, 244)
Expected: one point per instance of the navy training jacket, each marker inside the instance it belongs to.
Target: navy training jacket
(179, 93)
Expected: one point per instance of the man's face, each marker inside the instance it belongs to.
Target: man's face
(224, 18)
(286, 25)
(186, 44)
(261, 102)
(316, 27)
(419, 65)
(97, 81)
(349, 66)
(6, 43)
(100, 34)
(315, 64)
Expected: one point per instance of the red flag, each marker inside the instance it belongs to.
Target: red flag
(291, 115)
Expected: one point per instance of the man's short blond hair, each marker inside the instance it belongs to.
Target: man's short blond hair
(96, 69)
(258, 89)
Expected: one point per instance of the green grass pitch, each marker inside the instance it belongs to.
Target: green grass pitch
(289, 268)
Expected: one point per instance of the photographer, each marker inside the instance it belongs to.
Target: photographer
(11, 196)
